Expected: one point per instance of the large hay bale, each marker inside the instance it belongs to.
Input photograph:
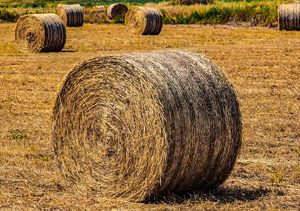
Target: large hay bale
(138, 125)
(145, 21)
(115, 10)
(289, 17)
(40, 33)
(71, 15)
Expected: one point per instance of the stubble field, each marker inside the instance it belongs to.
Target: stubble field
(262, 64)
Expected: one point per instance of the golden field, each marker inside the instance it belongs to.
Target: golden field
(262, 64)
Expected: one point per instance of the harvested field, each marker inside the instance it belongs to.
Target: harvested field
(263, 69)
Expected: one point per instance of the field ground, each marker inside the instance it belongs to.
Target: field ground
(263, 65)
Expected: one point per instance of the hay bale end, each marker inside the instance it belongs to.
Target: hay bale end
(116, 10)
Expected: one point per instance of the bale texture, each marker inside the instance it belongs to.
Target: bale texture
(289, 17)
(145, 21)
(140, 125)
(40, 33)
(115, 10)
(71, 15)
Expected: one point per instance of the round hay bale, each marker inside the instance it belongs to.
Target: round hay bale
(289, 17)
(140, 125)
(145, 21)
(71, 15)
(115, 10)
(40, 33)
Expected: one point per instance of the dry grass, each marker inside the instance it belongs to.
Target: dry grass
(262, 64)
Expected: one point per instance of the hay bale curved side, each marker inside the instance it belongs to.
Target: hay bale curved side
(145, 21)
(40, 33)
(289, 17)
(71, 15)
(115, 10)
(140, 125)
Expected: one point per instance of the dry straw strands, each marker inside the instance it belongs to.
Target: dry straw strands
(138, 125)
(145, 21)
(40, 33)
(289, 17)
(115, 10)
(71, 15)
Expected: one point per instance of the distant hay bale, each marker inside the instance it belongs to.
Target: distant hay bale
(71, 15)
(115, 10)
(289, 17)
(191, 2)
(145, 21)
(40, 33)
(101, 7)
(140, 125)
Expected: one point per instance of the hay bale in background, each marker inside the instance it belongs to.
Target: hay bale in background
(40, 33)
(100, 7)
(289, 17)
(71, 15)
(138, 125)
(145, 21)
(191, 2)
(115, 10)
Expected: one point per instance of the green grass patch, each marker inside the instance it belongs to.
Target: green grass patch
(18, 135)
(256, 14)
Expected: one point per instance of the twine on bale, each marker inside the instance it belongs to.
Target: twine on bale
(115, 10)
(289, 17)
(71, 15)
(145, 21)
(140, 125)
(40, 33)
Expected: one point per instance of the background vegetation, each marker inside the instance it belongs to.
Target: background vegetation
(262, 13)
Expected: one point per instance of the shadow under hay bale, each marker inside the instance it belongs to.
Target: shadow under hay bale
(71, 15)
(289, 17)
(144, 21)
(40, 33)
(140, 125)
(221, 195)
(115, 10)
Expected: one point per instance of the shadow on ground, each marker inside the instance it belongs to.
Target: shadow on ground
(222, 195)
(68, 51)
